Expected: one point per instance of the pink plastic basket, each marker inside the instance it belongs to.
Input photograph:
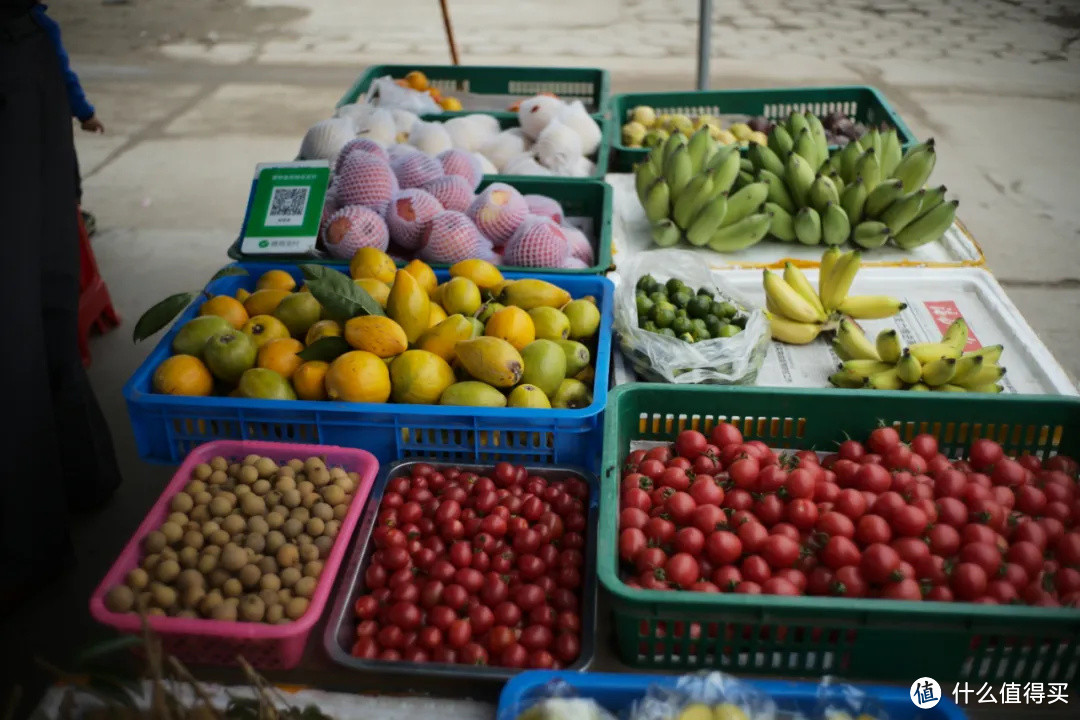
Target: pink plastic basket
(215, 642)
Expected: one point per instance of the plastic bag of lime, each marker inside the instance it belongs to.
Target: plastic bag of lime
(705, 696)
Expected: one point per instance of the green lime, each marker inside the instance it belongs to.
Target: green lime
(663, 316)
(687, 337)
(703, 335)
(647, 284)
(739, 321)
(681, 298)
(713, 323)
(699, 325)
(728, 310)
(730, 330)
(667, 332)
(658, 296)
(674, 285)
(644, 305)
(706, 292)
(681, 325)
(649, 326)
(699, 306)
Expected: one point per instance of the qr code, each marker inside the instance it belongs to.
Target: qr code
(287, 206)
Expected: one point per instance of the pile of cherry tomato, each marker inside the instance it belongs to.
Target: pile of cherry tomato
(880, 519)
(475, 569)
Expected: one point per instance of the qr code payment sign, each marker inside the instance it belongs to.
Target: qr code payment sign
(287, 206)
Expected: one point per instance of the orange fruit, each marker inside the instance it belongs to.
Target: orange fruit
(265, 301)
(358, 376)
(450, 104)
(275, 280)
(417, 80)
(309, 380)
(183, 375)
(280, 356)
(229, 308)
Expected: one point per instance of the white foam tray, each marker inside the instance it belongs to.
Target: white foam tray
(934, 296)
(630, 234)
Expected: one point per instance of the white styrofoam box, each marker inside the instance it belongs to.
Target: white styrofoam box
(935, 296)
(630, 234)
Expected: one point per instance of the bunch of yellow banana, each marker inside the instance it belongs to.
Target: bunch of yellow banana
(798, 314)
(941, 366)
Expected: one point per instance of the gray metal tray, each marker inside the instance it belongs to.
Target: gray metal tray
(340, 625)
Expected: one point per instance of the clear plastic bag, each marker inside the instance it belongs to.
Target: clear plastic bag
(705, 696)
(558, 701)
(719, 361)
(839, 701)
(386, 93)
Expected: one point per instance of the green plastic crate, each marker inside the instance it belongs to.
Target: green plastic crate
(812, 636)
(501, 84)
(861, 102)
(579, 198)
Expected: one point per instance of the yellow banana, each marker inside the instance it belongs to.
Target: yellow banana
(939, 372)
(909, 369)
(843, 274)
(829, 260)
(854, 342)
(966, 366)
(871, 307)
(796, 279)
(948, 387)
(990, 354)
(885, 380)
(840, 351)
(929, 352)
(888, 346)
(792, 332)
(985, 375)
(987, 388)
(865, 368)
(847, 379)
(781, 298)
(920, 387)
(956, 335)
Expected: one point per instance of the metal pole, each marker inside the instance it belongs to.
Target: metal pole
(704, 28)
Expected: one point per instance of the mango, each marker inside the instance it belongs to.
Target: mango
(529, 293)
(584, 318)
(481, 272)
(545, 366)
(513, 325)
(424, 275)
(444, 337)
(461, 296)
(265, 385)
(550, 323)
(264, 328)
(377, 335)
(528, 396)
(419, 377)
(193, 335)
(572, 394)
(491, 360)
(577, 356)
(298, 311)
(472, 393)
(408, 305)
(264, 302)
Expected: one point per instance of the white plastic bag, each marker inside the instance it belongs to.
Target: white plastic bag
(719, 361)
(711, 693)
(386, 93)
(558, 701)
(839, 701)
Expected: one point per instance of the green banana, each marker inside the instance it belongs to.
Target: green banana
(746, 166)
(644, 176)
(932, 198)
(666, 233)
(807, 148)
(903, 211)
(938, 372)
(882, 196)
(908, 368)
(765, 159)
(799, 177)
(889, 347)
(807, 223)
(796, 123)
(691, 200)
(871, 234)
(929, 227)
(656, 159)
(817, 131)
(706, 222)
(869, 169)
(838, 181)
(658, 201)
(916, 166)
(700, 147)
(822, 192)
(678, 171)
(722, 153)
(847, 379)
(744, 178)
(840, 351)
(966, 366)
(725, 170)
(778, 192)
(748, 231)
(780, 141)
(876, 142)
(673, 143)
(849, 158)
(853, 200)
(891, 153)
(782, 226)
(835, 227)
(745, 202)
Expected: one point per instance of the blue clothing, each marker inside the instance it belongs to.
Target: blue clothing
(80, 106)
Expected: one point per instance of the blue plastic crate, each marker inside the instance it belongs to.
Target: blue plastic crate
(166, 427)
(617, 692)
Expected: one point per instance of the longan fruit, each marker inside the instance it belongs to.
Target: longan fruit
(252, 608)
(302, 539)
(214, 550)
(285, 471)
(150, 562)
(284, 484)
(167, 570)
(266, 467)
(224, 611)
(169, 554)
(340, 511)
(270, 582)
(345, 483)
(195, 486)
(300, 513)
(120, 599)
(309, 552)
(202, 498)
(194, 539)
(275, 520)
(333, 494)
(332, 528)
(251, 459)
(313, 568)
(355, 477)
(252, 504)
(249, 576)
(233, 557)
(270, 597)
(219, 463)
(156, 612)
(155, 542)
(201, 471)
(280, 510)
(290, 498)
(143, 600)
(323, 511)
(261, 487)
(234, 524)
(190, 578)
(241, 491)
(308, 500)
(296, 464)
(172, 532)
(218, 477)
(324, 543)
(190, 525)
(191, 597)
(200, 513)
(255, 542)
(186, 613)
(284, 595)
(296, 608)
(209, 527)
(305, 487)
(179, 518)
(273, 501)
(275, 612)
(336, 472)
(161, 595)
(232, 588)
(274, 540)
(257, 524)
(220, 506)
(209, 601)
(138, 579)
(287, 555)
(267, 564)
(181, 502)
(248, 474)
(206, 563)
(219, 537)
(217, 577)
(292, 528)
(305, 587)
(289, 576)
(188, 557)
(319, 477)
(315, 527)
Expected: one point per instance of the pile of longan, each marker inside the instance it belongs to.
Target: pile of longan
(243, 541)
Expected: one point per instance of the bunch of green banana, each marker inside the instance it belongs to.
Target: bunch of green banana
(798, 314)
(698, 190)
(940, 366)
(869, 192)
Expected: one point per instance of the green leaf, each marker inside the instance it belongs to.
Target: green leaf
(107, 647)
(325, 349)
(338, 294)
(160, 315)
(229, 271)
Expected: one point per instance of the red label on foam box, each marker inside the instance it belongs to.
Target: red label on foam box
(945, 313)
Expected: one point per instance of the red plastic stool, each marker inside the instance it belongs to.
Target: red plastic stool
(95, 305)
